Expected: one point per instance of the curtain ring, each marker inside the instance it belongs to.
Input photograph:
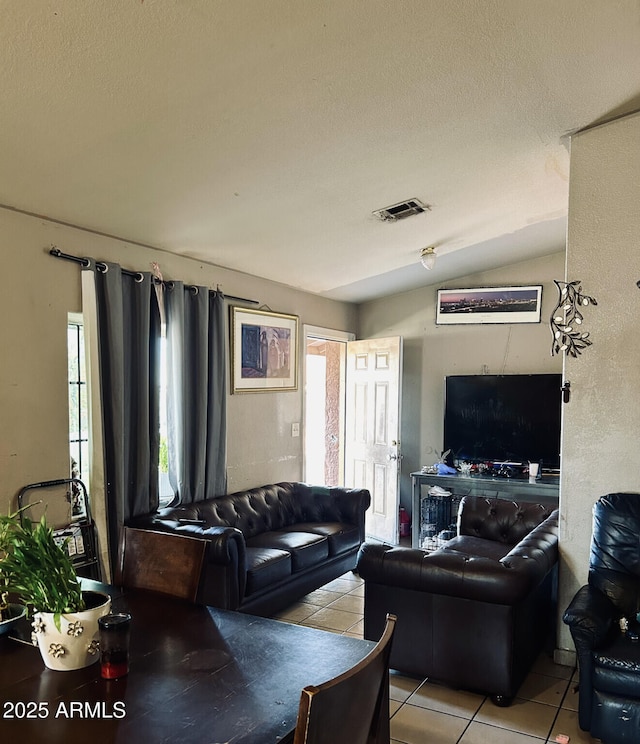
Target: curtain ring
(139, 277)
(102, 267)
(195, 290)
(169, 285)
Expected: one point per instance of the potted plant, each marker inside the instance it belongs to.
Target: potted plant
(39, 571)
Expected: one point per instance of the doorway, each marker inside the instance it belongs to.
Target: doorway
(351, 420)
(324, 405)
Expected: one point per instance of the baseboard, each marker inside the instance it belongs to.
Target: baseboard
(565, 657)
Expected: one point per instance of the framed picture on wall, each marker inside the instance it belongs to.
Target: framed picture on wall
(264, 351)
(489, 305)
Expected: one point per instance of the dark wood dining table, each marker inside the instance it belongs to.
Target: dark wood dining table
(197, 674)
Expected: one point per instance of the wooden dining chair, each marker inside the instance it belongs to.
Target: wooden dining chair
(352, 708)
(161, 562)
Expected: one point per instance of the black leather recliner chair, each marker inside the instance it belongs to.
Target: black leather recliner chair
(608, 657)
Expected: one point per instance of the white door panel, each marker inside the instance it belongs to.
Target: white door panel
(372, 454)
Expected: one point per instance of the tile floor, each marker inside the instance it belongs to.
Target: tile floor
(423, 712)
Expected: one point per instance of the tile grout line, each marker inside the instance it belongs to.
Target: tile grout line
(559, 708)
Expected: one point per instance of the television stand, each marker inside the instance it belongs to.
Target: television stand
(544, 491)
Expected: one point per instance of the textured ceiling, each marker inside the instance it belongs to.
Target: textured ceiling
(260, 135)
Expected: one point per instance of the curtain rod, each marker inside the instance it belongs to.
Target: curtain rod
(101, 266)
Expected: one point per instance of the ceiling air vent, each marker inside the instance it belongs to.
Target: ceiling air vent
(400, 211)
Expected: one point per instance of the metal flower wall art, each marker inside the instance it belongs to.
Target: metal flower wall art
(566, 319)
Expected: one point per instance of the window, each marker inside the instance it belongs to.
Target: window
(165, 491)
(79, 414)
(78, 407)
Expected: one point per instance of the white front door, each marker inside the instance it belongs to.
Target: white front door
(372, 437)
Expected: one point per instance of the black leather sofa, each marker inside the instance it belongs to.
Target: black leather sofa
(476, 612)
(608, 657)
(271, 545)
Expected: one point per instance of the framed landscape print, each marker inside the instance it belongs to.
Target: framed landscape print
(489, 305)
(264, 351)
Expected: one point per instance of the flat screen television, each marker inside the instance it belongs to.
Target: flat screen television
(503, 418)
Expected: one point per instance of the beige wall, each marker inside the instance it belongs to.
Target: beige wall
(601, 451)
(37, 293)
(431, 352)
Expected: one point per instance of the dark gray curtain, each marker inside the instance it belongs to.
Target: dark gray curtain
(196, 392)
(128, 338)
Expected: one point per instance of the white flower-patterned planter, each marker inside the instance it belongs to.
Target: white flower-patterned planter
(76, 644)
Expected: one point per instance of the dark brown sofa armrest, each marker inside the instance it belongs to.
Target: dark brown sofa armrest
(226, 544)
(445, 572)
(352, 503)
(457, 574)
(538, 551)
(330, 503)
(225, 577)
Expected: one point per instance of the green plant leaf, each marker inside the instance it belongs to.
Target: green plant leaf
(35, 568)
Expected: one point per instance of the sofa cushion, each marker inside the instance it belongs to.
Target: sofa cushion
(477, 546)
(266, 566)
(306, 549)
(341, 536)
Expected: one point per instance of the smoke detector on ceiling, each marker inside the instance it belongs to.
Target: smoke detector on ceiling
(401, 210)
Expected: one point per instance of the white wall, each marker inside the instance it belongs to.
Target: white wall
(37, 293)
(431, 352)
(601, 437)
